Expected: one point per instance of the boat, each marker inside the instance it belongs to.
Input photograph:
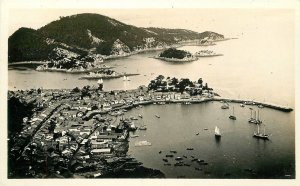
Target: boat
(190, 149)
(233, 117)
(242, 105)
(100, 81)
(178, 158)
(143, 127)
(157, 116)
(134, 136)
(126, 78)
(260, 106)
(225, 106)
(169, 156)
(217, 132)
(255, 119)
(260, 135)
(140, 116)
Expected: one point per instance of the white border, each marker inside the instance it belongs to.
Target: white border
(5, 5)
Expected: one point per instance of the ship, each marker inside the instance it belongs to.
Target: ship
(233, 117)
(260, 135)
(255, 120)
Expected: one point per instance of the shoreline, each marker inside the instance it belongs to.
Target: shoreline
(107, 77)
(176, 60)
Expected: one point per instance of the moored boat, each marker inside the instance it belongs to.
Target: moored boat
(217, 132)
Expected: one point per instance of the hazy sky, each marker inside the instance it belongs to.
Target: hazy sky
(230, 22)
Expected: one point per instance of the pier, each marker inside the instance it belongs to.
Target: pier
(204, 100)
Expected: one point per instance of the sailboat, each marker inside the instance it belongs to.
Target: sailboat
(225, 106)
(232, 116)
(255, 119)
(251, 119)
(126, 78)
(100, 81)
(217, 132)
(260, 135)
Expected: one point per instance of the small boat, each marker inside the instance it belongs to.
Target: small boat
(197, 134)
(260, 106)
(217, 132)
(173, 151)
(205, 129)
(143, 127)
(190, 149)
(157, 116)
(126, 78)
(233, 117)
(167, 164)
(184, 156)
(242, 105)
(160, 152)
(225, 106)
(260, 135)
(165, 160)
(100, 81)
(140, 116)
(169, 155)
(178, 158)
(134, 136)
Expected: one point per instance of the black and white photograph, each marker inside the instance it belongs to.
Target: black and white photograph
(196, 93)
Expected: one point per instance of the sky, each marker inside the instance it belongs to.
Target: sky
(230, 22)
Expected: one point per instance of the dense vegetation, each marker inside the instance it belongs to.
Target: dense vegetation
(16, 112)
(90, 32)
(27, 44)
(160, 83)
(174, 53)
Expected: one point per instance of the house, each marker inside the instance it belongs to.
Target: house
(101, 151)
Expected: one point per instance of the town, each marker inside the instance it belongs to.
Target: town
(81, 130)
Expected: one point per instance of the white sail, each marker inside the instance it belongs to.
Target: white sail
(217, 131)
(100, 81)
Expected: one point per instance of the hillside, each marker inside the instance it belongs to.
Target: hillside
(87, 34)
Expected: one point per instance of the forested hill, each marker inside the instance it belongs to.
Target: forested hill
(93, 33)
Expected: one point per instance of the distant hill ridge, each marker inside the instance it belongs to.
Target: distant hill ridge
(93, 33)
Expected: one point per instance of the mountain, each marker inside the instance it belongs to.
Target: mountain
(87, 33)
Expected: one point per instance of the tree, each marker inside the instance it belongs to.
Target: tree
(174, 81)
(200, 81)
(160, 77)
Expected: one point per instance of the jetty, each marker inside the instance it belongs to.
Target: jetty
(107, 76)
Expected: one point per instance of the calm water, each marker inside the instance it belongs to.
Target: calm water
(257, 73)
(236, 151)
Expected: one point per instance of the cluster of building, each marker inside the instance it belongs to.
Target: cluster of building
(73, 132)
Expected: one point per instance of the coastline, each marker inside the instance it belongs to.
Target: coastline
(176, 60)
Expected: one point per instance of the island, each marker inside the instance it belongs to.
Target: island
(175, 55)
